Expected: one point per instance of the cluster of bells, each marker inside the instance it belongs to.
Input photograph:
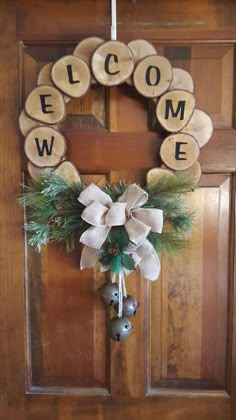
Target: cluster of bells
(119, 328)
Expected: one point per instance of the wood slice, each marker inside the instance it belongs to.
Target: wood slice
(152, 76)
(69, 171)
(195, 170)
(112, 63)
(155, 174)
(35, 172)
(175, 109)
(200, 126)
(86, 48)
(140, 49)
(71, 75)
(44, 78)
(26, 123)
(45, 146)
(179, 151)
(45, 104)
(182, 80)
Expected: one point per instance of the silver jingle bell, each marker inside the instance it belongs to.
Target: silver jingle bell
(130, 306)
(119, 328)
(109, 293)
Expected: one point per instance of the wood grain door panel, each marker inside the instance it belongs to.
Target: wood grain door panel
(57, 361)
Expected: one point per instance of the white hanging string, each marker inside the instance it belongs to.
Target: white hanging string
(113, 278)
(122, 292)
(120, 296)
(113, 21)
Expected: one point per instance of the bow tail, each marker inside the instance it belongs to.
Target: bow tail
(149, 263)
(89, 257)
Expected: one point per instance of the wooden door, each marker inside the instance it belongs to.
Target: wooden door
(56, 360)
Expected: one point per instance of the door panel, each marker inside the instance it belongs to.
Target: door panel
(179, 360)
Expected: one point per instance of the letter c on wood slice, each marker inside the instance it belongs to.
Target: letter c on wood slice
(45, 104)
(175, 109)
(71, 75)
(112, 63)
(179, 151)
(152, 76)
(45, 146)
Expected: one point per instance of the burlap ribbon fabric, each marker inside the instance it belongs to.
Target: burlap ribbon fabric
(102, 214)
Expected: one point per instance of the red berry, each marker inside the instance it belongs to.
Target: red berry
(131, 255)
(128, 245)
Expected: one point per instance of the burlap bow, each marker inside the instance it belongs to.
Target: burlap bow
(102, 214)
(144, 256)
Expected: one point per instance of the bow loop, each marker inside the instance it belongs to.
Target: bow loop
(134, 196)
(101, 213)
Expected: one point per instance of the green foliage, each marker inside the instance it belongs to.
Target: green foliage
(53, 211)
(170, 243)
(40, 234)
(114, 252)
(54, 215)
(116, 190)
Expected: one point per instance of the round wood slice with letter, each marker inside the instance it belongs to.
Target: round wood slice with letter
(175, 109)
(45, 146)
(45, 104)
(152, 76)
(179, 151)
(71, 75)
(112, 63)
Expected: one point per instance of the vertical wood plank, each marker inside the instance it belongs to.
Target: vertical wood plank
(11, 252)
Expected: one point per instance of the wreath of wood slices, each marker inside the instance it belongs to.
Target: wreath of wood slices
(111, 63)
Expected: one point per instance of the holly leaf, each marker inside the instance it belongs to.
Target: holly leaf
(128, 262)
(116, 265)
(105, 260)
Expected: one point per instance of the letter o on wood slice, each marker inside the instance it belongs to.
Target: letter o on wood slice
(200, 126)
(155, 174)
(175, 109)
(45, 104)
(112, 63)
(71, 75)
(45, 146)
(179, 151)
(152, 76)
(44, 78)
(69, 171)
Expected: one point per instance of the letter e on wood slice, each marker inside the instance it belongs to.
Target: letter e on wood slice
(152, 76)
(45, 104)
(175, 109)
(179, 151)
(112, 63)
(71, 75)
(45, 146)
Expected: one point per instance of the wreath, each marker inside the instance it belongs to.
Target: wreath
(122, 227)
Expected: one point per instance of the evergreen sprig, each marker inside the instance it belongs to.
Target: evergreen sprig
(54, 214)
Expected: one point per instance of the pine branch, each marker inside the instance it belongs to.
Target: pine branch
(178, 184)
(39, 234)
(170, 243)
(115, 190)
